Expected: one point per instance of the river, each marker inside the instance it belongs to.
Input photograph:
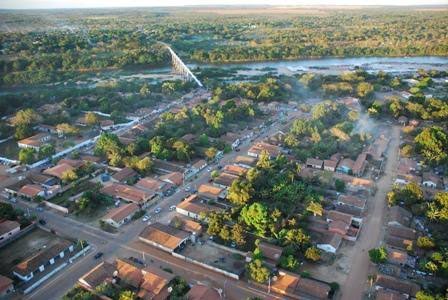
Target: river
(337, 65)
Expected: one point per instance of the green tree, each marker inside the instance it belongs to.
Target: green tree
(378, 255)
(26, 155)
(225, 233)
(240, 192)
(238, 235)
(339, 185)
(67, 129)
(312, 253)
(126, 295)
(144, 90)
(46, 151)
(264, 162)
(210, 153)
(69, 176)
(315, 208)
(257, 216)
(432, 143)
(425, 242)
(364, 90)
(289, 262)
(257, 271)
(91, 119)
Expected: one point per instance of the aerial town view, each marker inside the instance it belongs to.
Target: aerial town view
(206, 149)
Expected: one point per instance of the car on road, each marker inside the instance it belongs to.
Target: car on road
(157, 210)
(98, 255)
(172, 207)
(136, 260)
(40, 209)
(237, 149)
(145, 218)
(209, 169)
(187, 189)
(42, 222)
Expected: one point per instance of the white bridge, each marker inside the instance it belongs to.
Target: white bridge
(180, 68)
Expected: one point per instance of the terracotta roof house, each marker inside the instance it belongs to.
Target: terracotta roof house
(106, 124)
(344, 224)
(245, 161)
(6, 286)
(257, 148)
(314, 163)
(164, 237)
(339, 227)
(198, 166)
(121, 215)
(330, 165)
(126, 140)
(128, 193)
(202, 292)
(271, 253)
(125, 175)
(8, 229)
(345, 166)
(431, 180)
(377, 149)
(161, 188)
(401, 258)
(353, 201)
(41, 179)
(187, 224)
(225, 180)
(402, 232)
(407, 165)
(101, 273)
(360, 164)
(35, 264)
(155, 284)
(210, 192)
(404, 179)
(329, 242)
(390, 295)
(165, 167)
(334, 215)
(193, 206)
(75, 163)
(35, 141)
(189, 138)
(399, 243)
(175, 178)
(59, 170)
(395, 284)
(31, 191)
(234, 170)
(232, 139)
(399, 216)
(297, 287)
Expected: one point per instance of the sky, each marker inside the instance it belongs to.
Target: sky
(42, 4)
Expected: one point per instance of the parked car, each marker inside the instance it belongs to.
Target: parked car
(187, 189)
(145, 218)
(157, 210)
(40, 209)
(237, 149)
(172, 207)
(98, 255)
(136, 260)
(42, 222)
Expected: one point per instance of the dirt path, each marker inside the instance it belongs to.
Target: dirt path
(371, 234)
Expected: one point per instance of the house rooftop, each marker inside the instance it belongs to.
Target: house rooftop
(32, 263)
(124, 174)
(120, 213)
(202, 292)
(288, 283)
(402, 232)
(175, 178)
(209, 191)
(262, 146)
(270, 252)
(334, 215)
(59, 170)
(164, 235)
(246, 160)
(102, 272)
(35, 140)
(194, 205)
(225, 179)
(127, 192)
(352, 201)
(5, 283)
(150, 183)
(7, 226)
(31, 190)
(400, 215)
(235, 170)
(392, 283)
(314, 162)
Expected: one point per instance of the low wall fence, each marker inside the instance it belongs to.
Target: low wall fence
(56, 207)
(82, 252)
(193, 261)
(18, 235)
(44, 278)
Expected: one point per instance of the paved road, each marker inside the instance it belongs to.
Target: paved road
(372, 232)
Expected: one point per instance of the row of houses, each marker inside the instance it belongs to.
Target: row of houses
(147, 282)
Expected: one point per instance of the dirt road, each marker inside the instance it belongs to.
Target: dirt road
(372, 233)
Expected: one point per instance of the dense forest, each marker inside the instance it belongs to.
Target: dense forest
(54, 45)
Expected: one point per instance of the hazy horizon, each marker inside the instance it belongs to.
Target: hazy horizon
(53, 4)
